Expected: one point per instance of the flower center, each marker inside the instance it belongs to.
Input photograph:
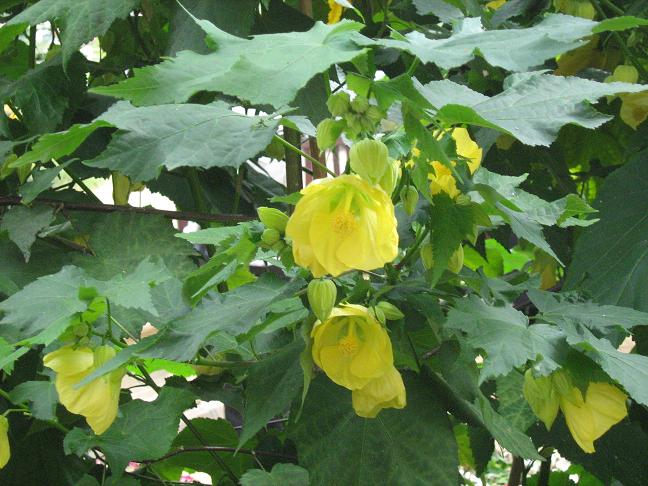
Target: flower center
(348, 345)
(344, 223)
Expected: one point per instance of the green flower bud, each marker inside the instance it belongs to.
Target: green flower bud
(270, 236)
(390, 311)
(80, 330)
(378, 314)
(321, 297)
(409, 197)
(427, 255)
(360, 104)
(338, 104)
(121, 188)
(273, 218)
(542, 397)
(369, 159)
(625, 74)
(374, 114)
(455, 263)
(463, 200)
(389, 180)
(328, 131)
(278, 246)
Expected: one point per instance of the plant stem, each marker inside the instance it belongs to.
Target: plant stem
(293, 159)
(411, 252)
(517, 468)
(218, 449)
(222, 364)
(315, 162)
(196, 190)
(32, 47)
(219, 460)
(237, 188)
(613, 7)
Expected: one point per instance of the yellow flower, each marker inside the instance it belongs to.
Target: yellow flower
(442, 180)
(634, 108)
(352, 348)
(97, 401)
(588, 419)
(5, 452)
(388, 391)
(343, 224)
(495, 4)
(335, 12)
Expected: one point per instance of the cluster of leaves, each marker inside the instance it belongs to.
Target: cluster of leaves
(190, 99)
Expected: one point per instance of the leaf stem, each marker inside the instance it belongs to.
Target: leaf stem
(316, 162)
(411, 252)
(32, 47)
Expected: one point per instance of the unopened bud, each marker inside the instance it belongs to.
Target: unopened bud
(378, 314)
(463, 200)
(374, 114)
(338, 104)
(80, 330)
(273, 218)
(625, 74)
(390, 311)
(369, 159)
(270, 236)
(278, 246)
(389, 180)
(542, 397)
(409, 197)
(360, 104)
(455, 263)
(121, 188)
(427, 255)
(321, 297)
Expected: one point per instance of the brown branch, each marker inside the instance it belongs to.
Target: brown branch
(109, 208)
(218, 449)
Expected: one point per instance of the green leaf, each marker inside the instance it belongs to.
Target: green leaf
(213, 432)
(44, 93)
(512, 404)
(610, 261)
(23, 225)
(444, 10)
(41, 181)
(8, 33)
(555, 35)
(83, 19)
(414, 445)
(267, 69)
(504, 333)
(144, 430)
(172, 136)
(619, 23)
(532, 107)
(556, 308)
(41, 394)
(281, 475)
(212, 236)
(272, 385)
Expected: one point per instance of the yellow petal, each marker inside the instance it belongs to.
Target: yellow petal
(579, 418)
(467, 148)
(5, 451)
(541, 396)
(68, 360)
(387, 391)
(608, 405)
(634, 108)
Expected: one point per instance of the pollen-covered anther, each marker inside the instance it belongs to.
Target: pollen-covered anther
(344, 223)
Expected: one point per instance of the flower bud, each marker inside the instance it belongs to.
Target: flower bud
(121, 188)
(455, 263)
(374, 114)
(625, 74)
(5, 452)
(278, 246)
(360, 104)
(542, 397)
(80, 330)
(338, 104)
(378, 314)
(427, 255)
(369, 159)
(390, 311)
(270, 236)
(273, 218)
(409, 197)
(321, 297)
(463, 200)
(328, 132)
(390, 178)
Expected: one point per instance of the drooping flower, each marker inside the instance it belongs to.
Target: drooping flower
(97, 401)
(5, 451)
(442, 180)
(343, 224)
(388, 391)
(352, 347)
(335, 12)
(588, 417)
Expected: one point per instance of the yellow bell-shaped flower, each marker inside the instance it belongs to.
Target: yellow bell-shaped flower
(442, 180)
(589, 418)
(352, 347)
(343, 224)
(542, 397)
(387, 391)
(5, 452)
(634, 108)
(97, 401)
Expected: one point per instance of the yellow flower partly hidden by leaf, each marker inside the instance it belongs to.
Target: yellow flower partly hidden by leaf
(97, 401)
(352, 347)
(576, 8)
(5, 452)
(634, 108)
(495, 4)
(335, 12)
(589, 418)
(442, 180)
(343, 224)
(388, 391)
